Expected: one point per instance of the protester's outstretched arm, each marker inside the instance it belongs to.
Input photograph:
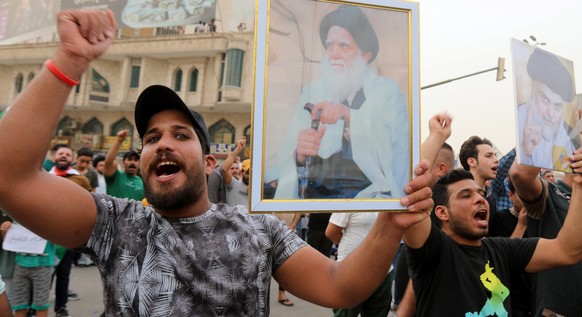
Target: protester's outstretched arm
(566, 248)
(347, 283)
(295, 221)
(521, 225)
(439, 127)
(46, 204)
(224, 168)
(440, 130)
(498, 183)
(528, 185)
(110, 164)
(334, 232)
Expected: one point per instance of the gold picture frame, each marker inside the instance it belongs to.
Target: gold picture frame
(309, 54)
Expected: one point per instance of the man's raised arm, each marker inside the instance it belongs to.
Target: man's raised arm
(224, 168)
(110, 164)
(528, 185)
(440, 130)
(566, 248)
(47, 204)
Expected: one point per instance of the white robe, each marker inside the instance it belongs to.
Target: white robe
(379, 133)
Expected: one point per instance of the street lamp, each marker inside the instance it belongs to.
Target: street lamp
(534, 41)
(500, 70)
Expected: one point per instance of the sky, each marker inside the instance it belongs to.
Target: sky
(463, 37)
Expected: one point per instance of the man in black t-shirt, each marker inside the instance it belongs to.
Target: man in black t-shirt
(556, 292)
(458, 271)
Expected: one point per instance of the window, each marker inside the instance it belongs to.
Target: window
(99, 87)
(178, 80)
(18, 83)
(135, 72)
(66, 126)
(134, 82)
(247, 134)
(222, 68)
(222, 132)
(93, 126)
(234, 67)
(193, 80)
(30, 77)
(121, 124)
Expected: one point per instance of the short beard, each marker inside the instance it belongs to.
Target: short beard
(461, 230)
(62, 166)
(167, 198)
(346, 83)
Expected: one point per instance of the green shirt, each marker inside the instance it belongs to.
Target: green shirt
(45, 259)
(122, 185)
(48, 165)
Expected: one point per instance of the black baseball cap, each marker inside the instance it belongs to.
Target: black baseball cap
(129, 154)
(157, 98)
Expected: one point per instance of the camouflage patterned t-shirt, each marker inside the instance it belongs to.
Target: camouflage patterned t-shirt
(217, 264)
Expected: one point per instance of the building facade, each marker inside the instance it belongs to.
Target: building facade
(211, 71)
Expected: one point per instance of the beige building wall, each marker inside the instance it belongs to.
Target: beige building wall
(158, 57)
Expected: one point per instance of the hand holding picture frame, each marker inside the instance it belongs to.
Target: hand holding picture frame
(336, 108)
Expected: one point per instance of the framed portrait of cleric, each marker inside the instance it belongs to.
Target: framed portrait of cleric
(336, 105)
(547, 118)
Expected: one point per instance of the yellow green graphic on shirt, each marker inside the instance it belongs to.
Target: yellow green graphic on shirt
(499, 292)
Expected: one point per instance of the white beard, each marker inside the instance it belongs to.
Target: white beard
(347, 82)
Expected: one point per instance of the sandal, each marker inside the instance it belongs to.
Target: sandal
(286, 302)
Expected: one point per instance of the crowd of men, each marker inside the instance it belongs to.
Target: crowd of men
(493, 238)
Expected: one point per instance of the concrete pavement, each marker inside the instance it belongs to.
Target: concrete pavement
(86, 282)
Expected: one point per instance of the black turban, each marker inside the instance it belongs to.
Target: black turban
(355, 21)
(546, 68)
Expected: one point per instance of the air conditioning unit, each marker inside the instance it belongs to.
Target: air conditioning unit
(71, 125)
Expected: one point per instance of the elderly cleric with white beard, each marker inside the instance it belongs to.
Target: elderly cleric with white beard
(349, 137)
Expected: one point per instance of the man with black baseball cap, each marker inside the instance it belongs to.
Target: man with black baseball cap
(351, 126)
(157, 98)
(181, 255)
(544, 141)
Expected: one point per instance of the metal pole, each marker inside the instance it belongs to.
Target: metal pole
(453, 79)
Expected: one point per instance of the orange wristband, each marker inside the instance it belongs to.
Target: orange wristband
(59, 74)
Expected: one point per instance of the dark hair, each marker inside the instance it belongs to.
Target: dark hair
(85, 152)
(57, 146)
(511, 186)
(440, 193)
(469, 149)
(446, 155)
(129, 154)
(447, 146)
(98, 159)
